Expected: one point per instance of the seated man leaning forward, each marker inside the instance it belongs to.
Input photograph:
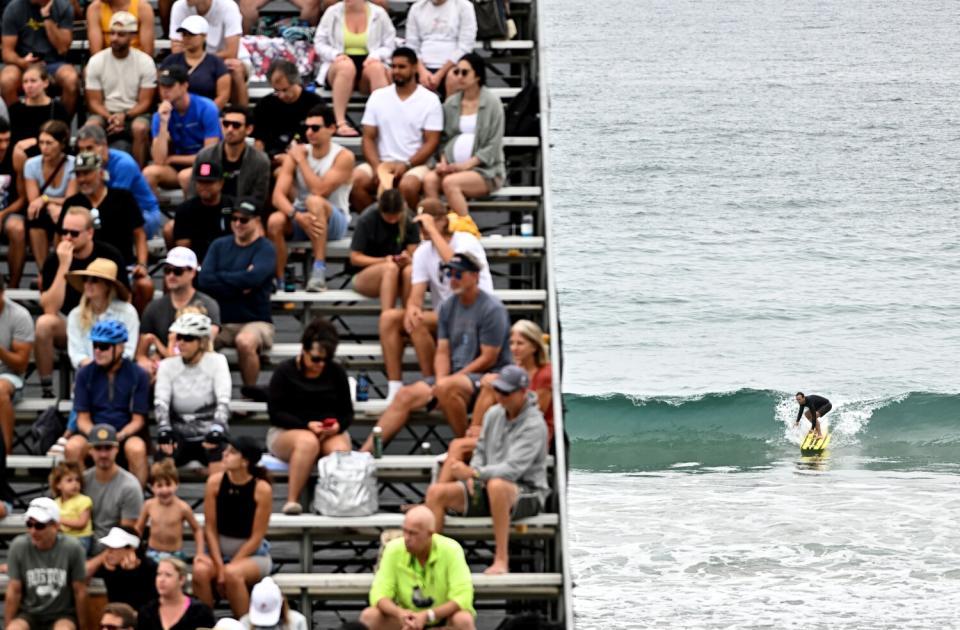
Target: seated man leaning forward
(423, 580)
(473, 337)
(47, 587)
(507, 477)
(112, 390)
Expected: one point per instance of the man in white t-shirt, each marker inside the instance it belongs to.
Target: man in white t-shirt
(438, 246)
(401, 131)
(224, 28)
(440, 32)
(120, 85)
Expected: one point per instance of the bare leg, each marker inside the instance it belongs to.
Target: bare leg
(143, 290)
(422, 338)
(40, 244)
(76, 448)
(136, 451)
(410, 189)
(453, 395)
(460, 450)
(431, 185)
(140, 130)
(410, 397)
(502, 495)
(441, 496)
(248, 356)
(204, 573)
(51, 334)
(240, 574)
(320, 209)
(380, 280)
(15, 228)
(6, 413)
(300, 449)
(373, 619)
(485, 399)
(341, 76)
(10, 83)
(458, 187)
(278, 229)
(69, 82)
(361, 193)
(391, 342)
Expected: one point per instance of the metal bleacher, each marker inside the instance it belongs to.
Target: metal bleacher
(324, 564)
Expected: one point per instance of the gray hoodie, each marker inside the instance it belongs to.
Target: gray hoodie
(515, 450)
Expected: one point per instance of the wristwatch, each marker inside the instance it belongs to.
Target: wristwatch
(431, 616)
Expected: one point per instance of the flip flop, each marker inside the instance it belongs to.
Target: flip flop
(344, 130)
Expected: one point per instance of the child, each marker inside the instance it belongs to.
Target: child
(165, 513)
(76, 510)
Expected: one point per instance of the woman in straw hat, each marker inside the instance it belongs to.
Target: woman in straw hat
(102, 297)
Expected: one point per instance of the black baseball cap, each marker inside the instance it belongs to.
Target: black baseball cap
(464, 262)
(208, 171)
(173, 74)
(249, 447)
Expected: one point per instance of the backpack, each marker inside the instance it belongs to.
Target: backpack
(47, 429)
(346, 485)
(522, 116)
(491, 19)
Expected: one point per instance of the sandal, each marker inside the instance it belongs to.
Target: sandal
(344, 130)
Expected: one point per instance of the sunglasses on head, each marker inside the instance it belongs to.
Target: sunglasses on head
(70, 233)
(313, 128)
(232, 124)
(102, 346)
(187, 338)
(170, 269)
(37, 525)
(242, 220)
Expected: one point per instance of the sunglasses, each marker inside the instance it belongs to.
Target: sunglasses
(170, 269)
(232, 124)
(104, 447)
(313, 128)
(187, 338)
(453, 273)
(239, 219)
(70, 233)
(461, 72)
(102, 346)
(37, 525)
(315, 358)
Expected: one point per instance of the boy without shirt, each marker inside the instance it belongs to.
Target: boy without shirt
(165, 513)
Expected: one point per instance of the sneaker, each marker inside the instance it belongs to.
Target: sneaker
(292, 508)
(317, 281)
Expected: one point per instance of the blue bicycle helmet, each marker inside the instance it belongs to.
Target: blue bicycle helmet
(108, 331)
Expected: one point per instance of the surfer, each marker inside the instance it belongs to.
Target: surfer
(817, 407)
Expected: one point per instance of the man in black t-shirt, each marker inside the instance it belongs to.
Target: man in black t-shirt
(76, 250)
(200, 219)
(11, 208)
(279, 116)
(118, 221)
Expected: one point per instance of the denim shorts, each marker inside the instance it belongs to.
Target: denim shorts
(336, 227)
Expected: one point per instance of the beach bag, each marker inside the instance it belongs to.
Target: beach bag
(522, 115)
(346, 485)
(491, 19)
(46, 430)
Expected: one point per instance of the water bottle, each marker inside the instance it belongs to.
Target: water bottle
(425, 448)
(377, 442)
(526, 226)
(363, 386)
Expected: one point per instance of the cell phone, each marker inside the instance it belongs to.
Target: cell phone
(328, 423)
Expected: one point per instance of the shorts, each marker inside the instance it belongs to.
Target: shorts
(44, 622)
(272, 434)
(337, 225)
(127, 124)
(157, 556)
(43, 222)
(86, 542)
(186, 451)
(229, 546)
(474, 377)
(357, 63)
(527, 504)
(17, 383)
(228, 334)
(420, 172)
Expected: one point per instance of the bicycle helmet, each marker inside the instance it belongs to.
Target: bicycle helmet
(108, 331)
(195, 324)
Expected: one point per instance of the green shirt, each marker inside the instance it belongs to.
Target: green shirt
(446, 576)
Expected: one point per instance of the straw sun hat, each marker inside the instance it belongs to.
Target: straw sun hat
(102, 268)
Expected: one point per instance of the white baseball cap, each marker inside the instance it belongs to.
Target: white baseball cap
(266, 603)
(43, 510)
(119, 539)
(181, 257)
(194, 25)
(229, 623)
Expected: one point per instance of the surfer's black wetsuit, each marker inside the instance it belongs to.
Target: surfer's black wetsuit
(817, 404)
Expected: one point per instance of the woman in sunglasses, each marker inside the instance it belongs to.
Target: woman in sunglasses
(310, 408)
(472, 163)
(192, 396)
(102, 297)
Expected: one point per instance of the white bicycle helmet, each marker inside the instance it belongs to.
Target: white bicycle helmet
(195, 324)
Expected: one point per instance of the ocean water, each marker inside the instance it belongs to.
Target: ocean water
(752, 199)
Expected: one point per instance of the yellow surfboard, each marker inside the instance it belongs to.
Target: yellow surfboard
(812, 444)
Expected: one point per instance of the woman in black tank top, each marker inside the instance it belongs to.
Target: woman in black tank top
(237, 505)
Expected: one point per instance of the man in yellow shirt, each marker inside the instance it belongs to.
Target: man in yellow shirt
(423, 581)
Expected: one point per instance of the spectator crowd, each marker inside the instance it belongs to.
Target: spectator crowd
(150, 388)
